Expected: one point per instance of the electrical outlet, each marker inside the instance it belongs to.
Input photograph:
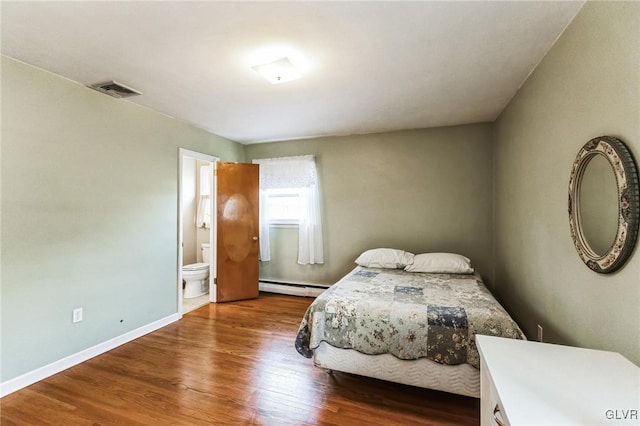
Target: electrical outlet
(540, 330)
(77, 315)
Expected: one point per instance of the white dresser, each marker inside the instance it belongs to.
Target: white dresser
(532, 383)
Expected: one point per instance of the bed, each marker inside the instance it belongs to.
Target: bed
(414, 328)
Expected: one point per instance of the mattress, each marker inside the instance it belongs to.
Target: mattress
(461, 379)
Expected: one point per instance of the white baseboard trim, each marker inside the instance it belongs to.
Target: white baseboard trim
(55, 367)
(294, 290)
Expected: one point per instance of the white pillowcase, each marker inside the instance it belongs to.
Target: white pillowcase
(440, 263)
(385, 258)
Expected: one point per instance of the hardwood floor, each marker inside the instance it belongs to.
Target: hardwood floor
(231, 363)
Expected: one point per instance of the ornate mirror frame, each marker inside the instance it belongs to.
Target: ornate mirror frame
(626, 173)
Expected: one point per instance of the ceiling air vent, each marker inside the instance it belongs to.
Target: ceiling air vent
(115, 89)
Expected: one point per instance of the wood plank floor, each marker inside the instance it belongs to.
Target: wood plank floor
(231, 363)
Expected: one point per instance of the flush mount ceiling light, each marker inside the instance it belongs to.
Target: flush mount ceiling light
(278, 71)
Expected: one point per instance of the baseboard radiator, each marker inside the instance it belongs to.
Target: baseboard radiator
(295, 289)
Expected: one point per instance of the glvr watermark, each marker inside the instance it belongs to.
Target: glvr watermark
(621, 414)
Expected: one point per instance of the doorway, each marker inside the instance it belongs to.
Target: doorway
(196, 230)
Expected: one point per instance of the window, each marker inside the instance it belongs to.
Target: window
(282, 206)
(289, 195)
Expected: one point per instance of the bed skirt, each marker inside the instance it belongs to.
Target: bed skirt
(461, 379)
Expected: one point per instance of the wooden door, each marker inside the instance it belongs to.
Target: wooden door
(237, 220)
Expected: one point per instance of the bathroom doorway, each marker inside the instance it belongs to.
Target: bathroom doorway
(196, 230)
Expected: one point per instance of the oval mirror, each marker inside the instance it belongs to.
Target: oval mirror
(599, 204)
(604, 204)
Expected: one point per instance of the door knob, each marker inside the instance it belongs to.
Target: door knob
(255, 238)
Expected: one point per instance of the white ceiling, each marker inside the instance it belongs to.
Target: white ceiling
(367, 66)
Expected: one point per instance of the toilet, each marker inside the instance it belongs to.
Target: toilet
(196, 276)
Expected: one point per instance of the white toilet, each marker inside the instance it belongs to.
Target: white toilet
(196, 276)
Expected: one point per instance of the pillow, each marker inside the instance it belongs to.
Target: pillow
(385, 258)
(440, 263)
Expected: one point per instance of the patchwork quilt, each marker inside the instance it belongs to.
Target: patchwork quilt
(409, 315)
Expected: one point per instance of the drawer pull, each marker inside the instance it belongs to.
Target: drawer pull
(496, 410)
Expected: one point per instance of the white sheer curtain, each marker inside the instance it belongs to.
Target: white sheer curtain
(265, 250)
(300, 173)
(203, 213)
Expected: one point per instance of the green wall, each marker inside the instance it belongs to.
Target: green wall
(417, 190)
(587, 86)
(89, 215)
